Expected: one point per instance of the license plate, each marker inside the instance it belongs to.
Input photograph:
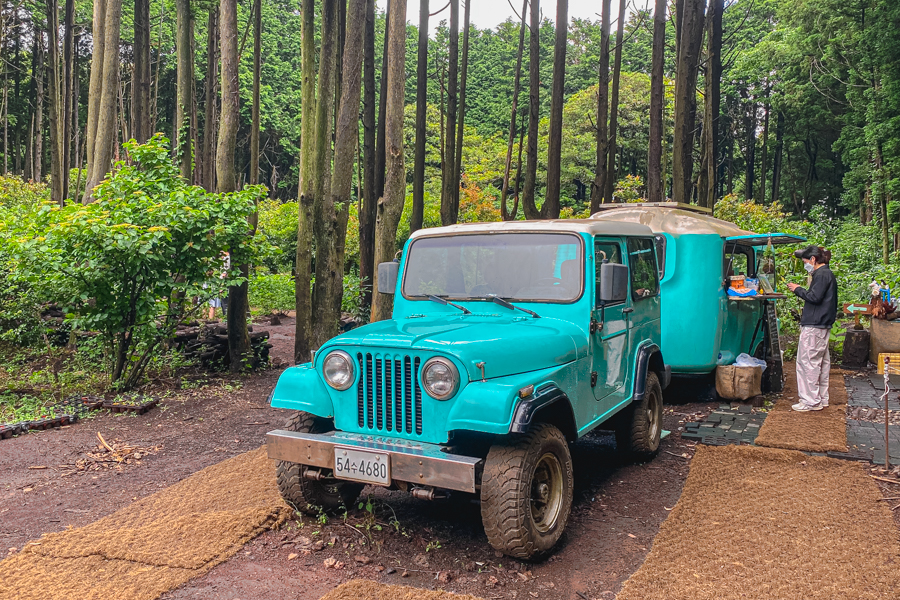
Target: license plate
(357, 465)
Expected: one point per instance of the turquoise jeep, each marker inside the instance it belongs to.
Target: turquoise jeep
(508, 342)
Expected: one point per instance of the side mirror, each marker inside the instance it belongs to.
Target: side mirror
(387, 277)
(613, 283)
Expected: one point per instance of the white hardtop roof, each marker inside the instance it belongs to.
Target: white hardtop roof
(589, 226)
(668, 217)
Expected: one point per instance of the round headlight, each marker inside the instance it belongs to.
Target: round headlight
(440, 378)
(338, 370)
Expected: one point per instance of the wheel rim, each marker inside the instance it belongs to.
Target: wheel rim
(546, 492)
(653, 417)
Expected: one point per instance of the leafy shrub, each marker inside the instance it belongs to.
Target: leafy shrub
(277, 226)
(630, 189)
(123, 264)
(272, 293)
(16, 192)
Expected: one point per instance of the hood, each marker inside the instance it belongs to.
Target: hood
(507, 345)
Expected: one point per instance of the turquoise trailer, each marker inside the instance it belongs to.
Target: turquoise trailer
(702, 326)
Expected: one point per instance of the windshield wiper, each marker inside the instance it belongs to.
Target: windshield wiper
(511, 306)
(446, 302)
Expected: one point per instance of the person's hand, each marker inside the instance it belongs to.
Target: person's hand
(792, 286)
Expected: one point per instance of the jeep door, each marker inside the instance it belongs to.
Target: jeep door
(609, 337)
(644, 320)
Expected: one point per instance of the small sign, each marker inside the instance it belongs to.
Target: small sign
(858, 309)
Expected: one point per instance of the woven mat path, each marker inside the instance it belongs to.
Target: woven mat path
(815, 431)
(361, 589)
(156, 543)
(762, 523)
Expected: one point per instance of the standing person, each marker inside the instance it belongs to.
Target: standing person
(819, 314)
(222, 303)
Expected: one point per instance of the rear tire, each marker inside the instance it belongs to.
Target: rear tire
(526, 492)
(640, 427)
(308, 496)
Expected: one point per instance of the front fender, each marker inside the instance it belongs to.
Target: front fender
(301, 388)
(488, 406)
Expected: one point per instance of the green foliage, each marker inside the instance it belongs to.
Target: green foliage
(15, 192)
(272, 293)
(124, 264)
(277, 226)
(630, 189)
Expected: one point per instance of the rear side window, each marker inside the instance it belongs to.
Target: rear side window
(661, 254)
(644, 269)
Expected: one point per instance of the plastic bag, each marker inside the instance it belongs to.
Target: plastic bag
(745, 360)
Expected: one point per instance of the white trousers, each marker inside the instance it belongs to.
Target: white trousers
(813, 366)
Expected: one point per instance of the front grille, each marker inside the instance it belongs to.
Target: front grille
(388, 395)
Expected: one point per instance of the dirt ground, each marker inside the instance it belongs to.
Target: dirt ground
(440, 545)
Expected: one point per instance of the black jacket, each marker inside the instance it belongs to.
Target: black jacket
(821, 300)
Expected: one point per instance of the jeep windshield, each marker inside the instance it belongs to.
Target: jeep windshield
(522, 267)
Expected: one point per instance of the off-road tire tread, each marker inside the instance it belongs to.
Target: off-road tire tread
(505, 520)
(310, 497)
(632, 437)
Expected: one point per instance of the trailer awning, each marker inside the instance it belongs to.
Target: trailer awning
(762, 239)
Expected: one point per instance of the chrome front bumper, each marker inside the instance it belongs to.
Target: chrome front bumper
(413, 462)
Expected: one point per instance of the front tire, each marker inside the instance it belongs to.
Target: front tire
(526, 492)
(639, 431)
(308, 496)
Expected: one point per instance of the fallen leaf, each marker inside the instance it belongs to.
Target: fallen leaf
(293, 555)
(27, 489)
(634, 537)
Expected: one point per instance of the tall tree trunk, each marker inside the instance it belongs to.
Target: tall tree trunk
(184, 86)
(764, 159)
(550, 208)
(611, 177)
(529, 204)
(57, 194)
(105, 137)
(779, 152)
(382, 108)
(686, 99)
(68, 96)
(331, 244)
(140, 92)
(303, 344)
(390, 208)
(461, 123)
(38, 75)
(655, 187)
(17, 79)
(598, 187)
(418, 206)
(210, 116)
(323, 154)
(712, 100)
(95, 87)
(449, 209)
(369, 199)
(254, 125)
(238, 336)
(505, 213)
(750, 158)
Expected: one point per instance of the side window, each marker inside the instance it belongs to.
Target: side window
(644, 270)
(738, 261)
(661, 254)
(610, 252)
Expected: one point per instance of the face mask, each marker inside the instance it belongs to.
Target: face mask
(809, 267)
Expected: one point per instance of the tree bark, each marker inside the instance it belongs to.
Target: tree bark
(418, 206)
(210, 116)
(461, 123)
(390, 208)
(764, 159)
(655, 186)
(779, 153)
(68, 97)
(529, 204)
(712, 101)
(38, 74)
(598, 187)
(550, 208)
(303, 269)
(254, 125)
(505, 213)
(382, 107)
(104, 140)
(57, 194)
(331, 243)
(449, 208)
(750, 158)
(95, 89)
(369, 198)
(181, 144)
(691, 39)
(614, 108)
(140, 93)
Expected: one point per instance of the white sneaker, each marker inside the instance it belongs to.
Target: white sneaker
(802, 407)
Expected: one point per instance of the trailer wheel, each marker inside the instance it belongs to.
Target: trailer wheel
(639, 429)
(526, 492)
(312, 497)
